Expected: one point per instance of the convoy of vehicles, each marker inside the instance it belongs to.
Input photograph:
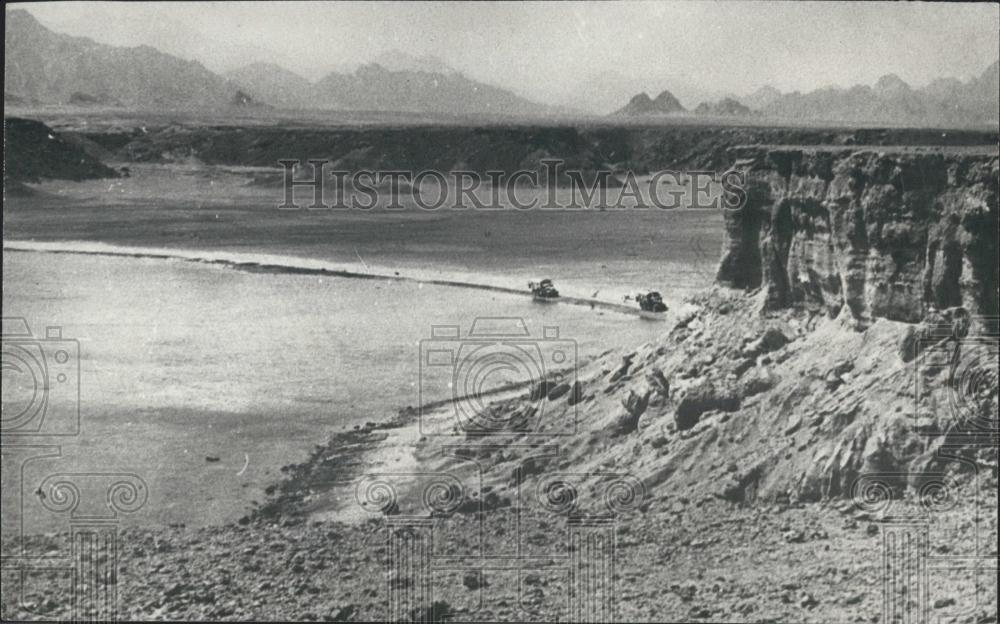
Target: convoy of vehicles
(651, 304)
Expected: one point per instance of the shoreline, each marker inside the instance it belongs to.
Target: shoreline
(405, 430)
(396, 441)
(714, 536)
(290, 265)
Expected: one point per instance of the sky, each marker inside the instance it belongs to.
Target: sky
(550, 50)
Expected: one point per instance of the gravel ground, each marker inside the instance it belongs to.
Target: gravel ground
(707, 560)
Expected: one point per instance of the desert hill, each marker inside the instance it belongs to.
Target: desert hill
(641, 104)
(54, 68)
(726, 107)
(373, 87)
(33, 151)
(275, 85)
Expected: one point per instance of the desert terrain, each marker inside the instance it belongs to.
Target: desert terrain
(759, 457)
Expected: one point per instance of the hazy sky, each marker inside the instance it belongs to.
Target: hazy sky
(546, 49)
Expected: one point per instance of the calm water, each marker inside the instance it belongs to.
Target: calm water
(207, 361)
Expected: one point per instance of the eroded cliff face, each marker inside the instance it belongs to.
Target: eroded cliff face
(873, 234)
(730, 404)
(782, 404)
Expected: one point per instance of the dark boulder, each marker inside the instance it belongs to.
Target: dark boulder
(703, 397)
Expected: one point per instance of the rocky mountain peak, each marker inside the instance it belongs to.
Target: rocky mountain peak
(665, 102)
(891, 83)
(641, 104)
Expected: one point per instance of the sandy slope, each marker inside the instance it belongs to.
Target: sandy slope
(710, 521)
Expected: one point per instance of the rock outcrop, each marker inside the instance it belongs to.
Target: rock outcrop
(852, 352)
(745, 406)
(33, 151)
(875, 234)
(843, 357)
(642, 149)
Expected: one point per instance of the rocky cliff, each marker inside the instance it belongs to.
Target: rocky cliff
(481, 148)
(824, 374)
(873, 233)
(731, 404)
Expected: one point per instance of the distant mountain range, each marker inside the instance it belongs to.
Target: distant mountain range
(726, 107)
(664, 104)
(44, 67)
(275, 85)
(603, 92)
(946, 102)
(376, 88)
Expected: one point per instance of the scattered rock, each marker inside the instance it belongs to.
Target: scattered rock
(399, 581)
(936, 326)
(838, 375)
(473, 580)
(659, 382)
(439, 611)
(558, 391)
(576, 395)
(794, 537)
(540, 390)
(771, 340)
(702, 397)
(633, 406)
(807, 601)
(761, 381)
(624, 368)
(344, 613)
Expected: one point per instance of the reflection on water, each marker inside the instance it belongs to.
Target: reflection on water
(181, 361)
